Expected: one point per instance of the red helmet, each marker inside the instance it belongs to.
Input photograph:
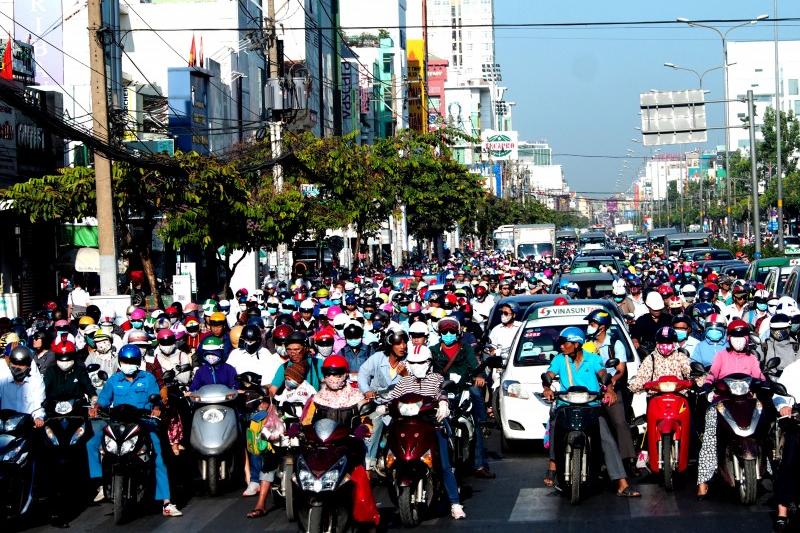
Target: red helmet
(282, 332)
(335, 364)
(63, 347)
(324, 337)
(51, 306)
(560, 301)
(480, 290)
(165, 334)
(665, 290)
(738, 328)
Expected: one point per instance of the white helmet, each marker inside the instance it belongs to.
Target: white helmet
(787, 305)
(418, 361)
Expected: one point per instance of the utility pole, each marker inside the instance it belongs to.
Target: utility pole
(102, 165)
(751, 112)
(778, 126)
(276, 130)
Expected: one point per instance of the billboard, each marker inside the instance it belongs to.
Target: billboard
(499, 145)
(8, 144)
(40, 23)
(673, 117)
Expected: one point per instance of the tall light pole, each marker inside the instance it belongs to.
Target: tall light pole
(778, 127)
(700, 75)
(724, 38)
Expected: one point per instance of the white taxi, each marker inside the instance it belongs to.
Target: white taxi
(522, 409)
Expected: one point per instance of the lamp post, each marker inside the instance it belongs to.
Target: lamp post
(700, 75)
(724, 38)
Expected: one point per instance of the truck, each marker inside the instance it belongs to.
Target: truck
(619, 229)
(534, 240)
(503, 239)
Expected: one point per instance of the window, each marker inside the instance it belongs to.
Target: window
(793, 88)
(387, 64)
(797, 107)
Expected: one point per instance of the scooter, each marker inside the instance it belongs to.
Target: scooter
(66, 430)
(17, 464)
(215, 430)
(286, 449)
(412, 457)
(742, 427)
(128, 458)
(668, 427)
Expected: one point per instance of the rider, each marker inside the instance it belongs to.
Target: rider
(738, 358)
(502, 335)
(576, 368)
(21, 389)
(125, 388)
(779, 343)
(785, 485)
(666, 360)
(714, 341)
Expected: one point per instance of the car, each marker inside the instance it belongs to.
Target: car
(601, 252)
(701, 254)
(591, 285)
(522, 410)
(776, 279)
(791, 245)
(792, 285)
(522, 301)
(595, 262)
(758, 269)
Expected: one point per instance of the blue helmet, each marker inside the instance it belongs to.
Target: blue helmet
(600, 316)
(572, 334)
(130, 353)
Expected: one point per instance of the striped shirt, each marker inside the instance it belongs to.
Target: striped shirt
(430, 386)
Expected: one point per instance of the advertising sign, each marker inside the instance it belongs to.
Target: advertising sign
(499, 145)
(42, 18)
(182, 288)
(8, 143)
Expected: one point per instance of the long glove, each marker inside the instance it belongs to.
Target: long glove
(443, 411)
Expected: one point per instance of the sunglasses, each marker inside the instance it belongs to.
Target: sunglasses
(418, 335)
(507, 314)
(324, 343)
(333, 371)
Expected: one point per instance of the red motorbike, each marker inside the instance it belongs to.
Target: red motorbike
(412, 456)
(668, 427)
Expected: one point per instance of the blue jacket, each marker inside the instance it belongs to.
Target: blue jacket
(119, 391)
(374, 373)
(706, 351)
(356, 356)
(222, 374)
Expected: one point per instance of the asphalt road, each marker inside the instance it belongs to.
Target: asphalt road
(515, 501)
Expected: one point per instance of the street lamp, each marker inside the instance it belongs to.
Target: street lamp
(724, 38)
(699, 75)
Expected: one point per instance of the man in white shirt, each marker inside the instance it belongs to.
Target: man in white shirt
(77, 301)
(21, 389)
(253, 357)
(502, 335)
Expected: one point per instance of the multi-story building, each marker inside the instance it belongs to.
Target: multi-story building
(461, 31)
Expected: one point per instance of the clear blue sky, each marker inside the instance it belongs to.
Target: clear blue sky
(579, 88)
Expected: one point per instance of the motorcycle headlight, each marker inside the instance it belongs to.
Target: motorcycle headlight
(128, 445)
(304, 476)
(63, 408)
(514, 389)
(667, 386)
(110, 445)
(12, 423)
(327, 482)
(51, 435)
(213, 416)
(14, 455)
(409, 409)
(77, 436)
(578, 397)
(738, 387)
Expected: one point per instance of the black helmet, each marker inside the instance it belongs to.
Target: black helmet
(285, 319)
(297, 337)
(705, 295)
(20, 355)
(353, 330)
(250, 339)
(666, 335)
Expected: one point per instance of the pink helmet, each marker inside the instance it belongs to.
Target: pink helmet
(414, 307)
(333, 311)
(137, 336)
(138, 314)
(165, 334)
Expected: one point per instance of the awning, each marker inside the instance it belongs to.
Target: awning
(87, 260)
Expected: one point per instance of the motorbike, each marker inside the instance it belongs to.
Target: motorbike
(742, 426)
(668, 427)
(17, 464)
(65, 432)
(128, 458)
(411, 460)
(215, 430)
(286, 449)
(576, 437)
(326, 456)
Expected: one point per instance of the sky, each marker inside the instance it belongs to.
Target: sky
(578, 88)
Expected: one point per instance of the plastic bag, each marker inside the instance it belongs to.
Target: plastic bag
(274, 428)
(365, 510)
(255, 444)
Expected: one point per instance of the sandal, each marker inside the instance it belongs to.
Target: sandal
(629, 492)
(550, 478)
(257, 513)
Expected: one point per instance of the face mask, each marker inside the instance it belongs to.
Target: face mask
(682, 335)
(419, 371)
(505, 319)
(404, 309)
(272, 310)
(780, 334)
(65, 365)
(591, 331)
(324, 351)
(761, 307)
(665, 349)
(128, 369)
(449, 338)
(20, 374)
(212, 359)
(104, 347)
(168, 350)
(338, 301)
(354, 343)
(714, 335)
(173, 320)
(794, 328)
(281, 350)
(739, 343)
(290, 384)
(286, 311)
(335, 382)
(619, 299)
(367, 315)
(137, 324)
(89, 342)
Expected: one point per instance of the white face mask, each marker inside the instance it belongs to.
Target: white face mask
(505, 319)
(168, 350)
(419, 371)
(738, 343)
(591, 330)
(325, 351)
(281, 350)
(65, 365)
(104, 347)
(128, 369)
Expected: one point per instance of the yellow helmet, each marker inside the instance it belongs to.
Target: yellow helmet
(218, 316)
(322, 292)
(85, 320)
(235, 334)
(438, 313)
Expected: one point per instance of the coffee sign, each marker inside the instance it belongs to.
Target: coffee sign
(499, 145)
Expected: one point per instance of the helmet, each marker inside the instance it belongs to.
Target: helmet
(665, 291)
(211, 343)
(129, 354)
(716, 319)
(689, 290)
(209, 307)
(511, 305)
(560, 301)
(738, 328)
(20, 355)
(217, 318)
(167, 336)
(666, 335)
(572, 334)
(418, 328)
(705, 294)
(235, 334)
(420, 354)
(322, 293)
(701, 311)
(250, 339)
(307, 305)
(138, 314)
(779, 321)
(600, 316)
(396, 336)
(335, 365)
(353, 330)
(138, 336)
(282, 332)
(84, 321)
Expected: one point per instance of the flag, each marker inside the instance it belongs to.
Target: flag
(200, 61)
(7, 69)
(192, 54)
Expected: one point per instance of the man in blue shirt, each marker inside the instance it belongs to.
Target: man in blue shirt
(576, 368)
(132, 386)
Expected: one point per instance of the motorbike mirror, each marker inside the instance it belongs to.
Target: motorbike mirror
(779, 389)
(155, 399)
(612, 363)
(546, 379)
(103, 375)
(367, 409)
(168, 375)
(697, 368)
(94, 367)
(773, 363)
(493, 362)
(449, 385)
(183, 368)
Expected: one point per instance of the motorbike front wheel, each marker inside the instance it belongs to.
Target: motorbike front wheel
(409, 512)
(666, 461)
(288, 490)
(119, 494)
(575, 476)
(748, 486)
(212, 475)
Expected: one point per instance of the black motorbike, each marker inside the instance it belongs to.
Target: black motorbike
(17, 465)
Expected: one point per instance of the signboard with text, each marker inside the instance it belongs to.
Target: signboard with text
(499, 145)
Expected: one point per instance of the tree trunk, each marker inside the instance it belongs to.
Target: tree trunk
(144, 249)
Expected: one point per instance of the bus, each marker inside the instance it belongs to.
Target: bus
(674, 242)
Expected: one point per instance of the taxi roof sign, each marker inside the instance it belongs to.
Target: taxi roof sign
(555, 311)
